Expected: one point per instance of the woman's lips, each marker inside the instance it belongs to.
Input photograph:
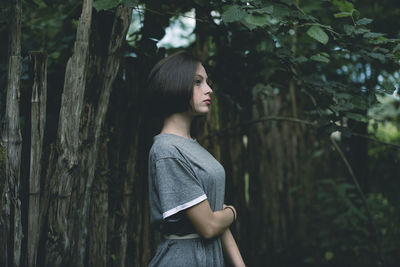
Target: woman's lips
(208, 101)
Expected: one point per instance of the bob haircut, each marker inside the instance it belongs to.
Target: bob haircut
(170, 85)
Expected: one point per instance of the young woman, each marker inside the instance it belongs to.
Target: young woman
(186, 183)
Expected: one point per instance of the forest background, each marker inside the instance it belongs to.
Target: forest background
(305, 121)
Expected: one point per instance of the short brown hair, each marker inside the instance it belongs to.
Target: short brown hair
(170, 84)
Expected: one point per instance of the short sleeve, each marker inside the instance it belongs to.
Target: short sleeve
(177, 187)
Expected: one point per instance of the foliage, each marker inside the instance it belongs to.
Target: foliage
(384, 160)
(335, 90)
(340, 231)
(387, 109)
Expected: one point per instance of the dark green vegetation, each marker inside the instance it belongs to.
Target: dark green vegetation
(287, 76)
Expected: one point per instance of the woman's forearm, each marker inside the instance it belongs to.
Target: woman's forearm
(208, 223)
(231, 249)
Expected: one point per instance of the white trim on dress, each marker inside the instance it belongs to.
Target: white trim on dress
(184, 206)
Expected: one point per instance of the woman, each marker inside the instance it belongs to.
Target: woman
(186, 183)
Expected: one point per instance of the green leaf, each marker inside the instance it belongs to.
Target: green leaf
(233, 13)
(381, 40)
(343, 14)
(130, 3)
(258, 20)
(318, 34)
(300, 59)
(248, 25)
(329, 255)
(348, 29)
(268, 10)
(383, 50)
(378, 56)
(363, 21)
(356, 14)
(361, 31)
(40, 3)
(281, 11)
(356, 117)
(343, 5)
(320, 58)
(373, 35)
(105, 4)
(396, 48)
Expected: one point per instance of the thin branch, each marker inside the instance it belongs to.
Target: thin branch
(369, 214)
(376, 140)
(280, 118)
(248, 123)
(289, 119)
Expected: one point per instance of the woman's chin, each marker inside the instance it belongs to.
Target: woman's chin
(201, 112)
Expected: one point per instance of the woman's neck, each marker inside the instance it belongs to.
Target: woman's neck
(178, 124)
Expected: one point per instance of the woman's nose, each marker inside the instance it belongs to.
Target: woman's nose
(209, 90)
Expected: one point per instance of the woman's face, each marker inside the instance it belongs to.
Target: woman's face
(201, 100)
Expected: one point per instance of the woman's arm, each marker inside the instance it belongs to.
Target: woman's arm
(207, 223)
(231, 249)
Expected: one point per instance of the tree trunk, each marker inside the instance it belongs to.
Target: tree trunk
(10, 224)
(232, 144)
(63, 175)
(38, 120)
(117, 24)
(275, 163)
(72, 165)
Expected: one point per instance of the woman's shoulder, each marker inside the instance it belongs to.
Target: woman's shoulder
(169, 146)
(162, 145)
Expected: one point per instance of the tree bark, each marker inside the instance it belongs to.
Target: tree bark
(275, 172)
(38, 120)
(87, 87)
(10, 224)
(105, 72)
(63, 175)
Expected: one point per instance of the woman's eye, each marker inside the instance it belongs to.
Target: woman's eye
(197, 82)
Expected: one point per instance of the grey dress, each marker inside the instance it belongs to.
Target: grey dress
(182, 174)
